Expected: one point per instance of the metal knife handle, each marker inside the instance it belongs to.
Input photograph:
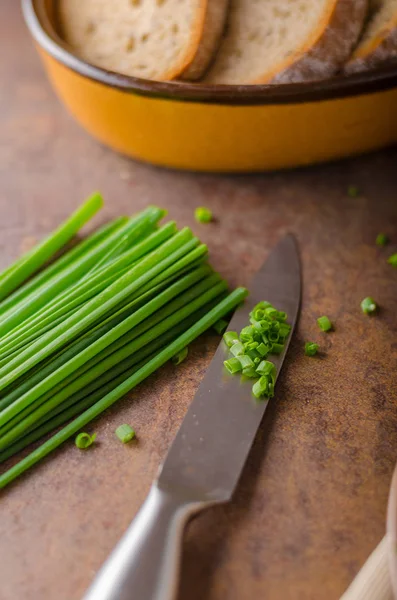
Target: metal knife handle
(373, 582)
(145, 563)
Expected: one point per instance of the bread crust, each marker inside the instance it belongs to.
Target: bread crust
(328, 48)
(380, 49)
(211, 34)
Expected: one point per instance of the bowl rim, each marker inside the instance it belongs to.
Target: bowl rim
(341, 86)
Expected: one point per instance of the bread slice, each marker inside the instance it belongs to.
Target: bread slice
(379, 42)
(286, 41)
(154, 39)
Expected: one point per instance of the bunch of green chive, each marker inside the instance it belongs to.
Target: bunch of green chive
(97, 321)
(265, 335)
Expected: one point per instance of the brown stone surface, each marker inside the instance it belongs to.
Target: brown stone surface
(311, 503)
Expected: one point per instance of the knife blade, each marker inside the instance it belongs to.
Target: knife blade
(214, 440)
(206, 459)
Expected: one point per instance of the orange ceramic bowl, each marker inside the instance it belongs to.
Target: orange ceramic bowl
(219, 128)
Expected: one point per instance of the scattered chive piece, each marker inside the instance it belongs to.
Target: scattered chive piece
(246, 362)
(368, 306)
(230, 337)
(266, 368)
(125, 433)
(382, 239)
(392, 260)
(85, 440)
(353, 191)
(324, 323)
(203, 214)
(180, 357)
(221, 326)
(233, 365)
(311, 349)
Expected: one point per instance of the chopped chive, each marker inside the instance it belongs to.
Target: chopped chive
(203, 214)
(311, 349)
(84, 440)
(245, 361)
(230, 337)
(250, 372)
(266, 368)
(368, 306)
(261, 387)
(353, 191)
(262, 349)
(233, 365)
(392, 260)
(324, 323)
(277, 348)
(125, 433)
(180, 357)
(237, 349)
(382, 239)
(221, 326)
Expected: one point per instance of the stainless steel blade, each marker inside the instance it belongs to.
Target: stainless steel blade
(208, 454)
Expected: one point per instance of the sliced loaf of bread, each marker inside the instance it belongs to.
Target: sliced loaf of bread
(378, 44)
(286, 41)
(154, 39)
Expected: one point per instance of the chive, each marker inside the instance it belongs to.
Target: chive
(368, 306)
(76, 361)
(311, 349)
(261, 387)
(233, 365)
(84, 440)
(125, 433)
(262, 349)
(392, 260)
(14, 427)
(100, 386)
(150, 266)
(353, 191)
(13, 277)
(277, 348)
(266, 368)
(382, 239)
(223, 308)
(324, 323)
(230, 337)
(221, 326)
(245, 361)
(203, 214)
(180, 357)
(237, 349)
(60, 286)
(61, 263)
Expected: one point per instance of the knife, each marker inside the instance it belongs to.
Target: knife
(206, 459)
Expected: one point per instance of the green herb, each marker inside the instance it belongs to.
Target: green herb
(311, 349)
(221, 326)
(233, 365)
(368, 306)
(84, 440)
(203, 214)
(219, 311)
(125, 433)
(180, 357)
(265, 335)
(392, 260)
(324, 323)
(353, 191)
(382, 239)
(12, 277)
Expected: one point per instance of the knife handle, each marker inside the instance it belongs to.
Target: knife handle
(145, 563)
(373, 581)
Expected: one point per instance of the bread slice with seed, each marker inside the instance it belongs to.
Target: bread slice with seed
(287, 41)
(379, 42)
(154, 39)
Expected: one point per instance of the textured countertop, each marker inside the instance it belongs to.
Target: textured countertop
(311, 503)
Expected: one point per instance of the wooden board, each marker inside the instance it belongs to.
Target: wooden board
(311, 503)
